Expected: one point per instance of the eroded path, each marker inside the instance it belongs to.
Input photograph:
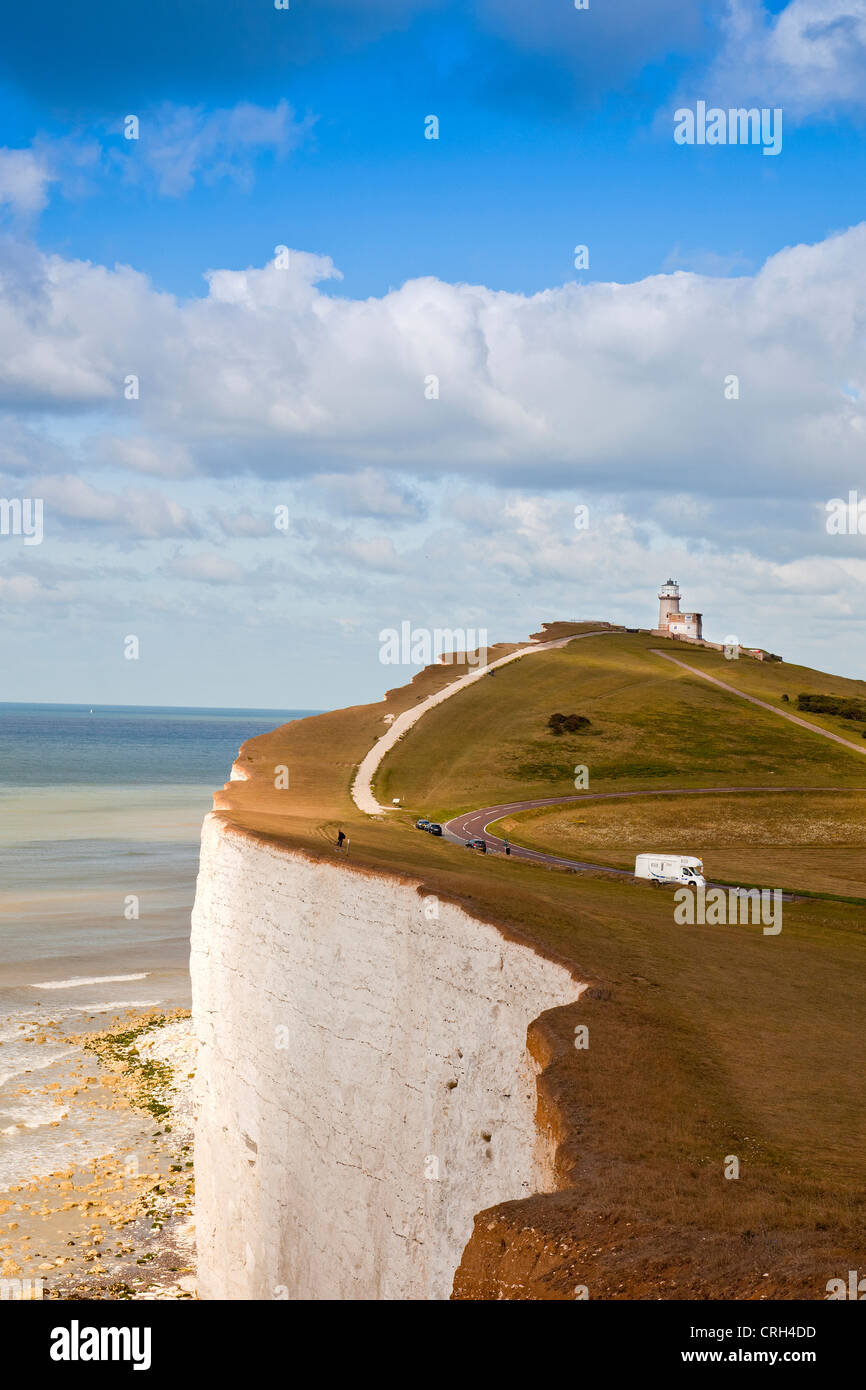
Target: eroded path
(362, 787)
(764, 704)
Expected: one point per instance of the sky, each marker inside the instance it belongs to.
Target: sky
(283, 371)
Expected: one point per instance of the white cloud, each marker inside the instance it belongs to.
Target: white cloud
(240, 522)
(507, 562)
(809, 58)
(26, 589)
(24, 180)
(179, 144)
(603, 385)
(707, 262)
(207, 566)
(161, 458)
(369, 492)
(148, 515)
(374, 553)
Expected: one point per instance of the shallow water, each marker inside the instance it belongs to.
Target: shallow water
(100, 816)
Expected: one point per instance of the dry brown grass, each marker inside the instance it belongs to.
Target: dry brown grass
(808, 841)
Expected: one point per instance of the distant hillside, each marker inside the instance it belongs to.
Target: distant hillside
(652, 725)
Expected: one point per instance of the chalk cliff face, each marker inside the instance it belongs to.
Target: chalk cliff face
(364, 1086)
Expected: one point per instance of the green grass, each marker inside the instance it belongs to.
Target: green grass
(154, 1080)
(652, 726)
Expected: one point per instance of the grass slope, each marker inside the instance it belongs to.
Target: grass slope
(653, 725)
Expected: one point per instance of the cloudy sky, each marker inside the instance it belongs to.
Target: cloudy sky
(282, 300)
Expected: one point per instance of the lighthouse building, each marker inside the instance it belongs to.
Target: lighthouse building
(672, 622)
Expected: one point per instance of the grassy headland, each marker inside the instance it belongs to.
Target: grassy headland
(705, 1041)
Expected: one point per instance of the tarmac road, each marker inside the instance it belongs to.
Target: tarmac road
(472, 825)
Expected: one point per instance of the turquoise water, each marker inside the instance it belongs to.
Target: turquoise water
(100, 816)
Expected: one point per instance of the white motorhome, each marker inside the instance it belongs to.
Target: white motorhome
(670, 868)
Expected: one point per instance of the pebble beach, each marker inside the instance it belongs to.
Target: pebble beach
(120, 1226)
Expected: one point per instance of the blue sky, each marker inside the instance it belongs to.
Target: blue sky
(530, 155)
(304, 386)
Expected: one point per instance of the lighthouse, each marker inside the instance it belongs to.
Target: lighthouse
(672, 622)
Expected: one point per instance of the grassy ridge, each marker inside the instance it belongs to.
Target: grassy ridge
(652, 725)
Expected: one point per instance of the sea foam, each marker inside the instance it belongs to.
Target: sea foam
(87, 980)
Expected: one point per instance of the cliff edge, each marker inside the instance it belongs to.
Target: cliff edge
(365, 1087)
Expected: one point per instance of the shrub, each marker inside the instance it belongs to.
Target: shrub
(567, 724)
(840, 705)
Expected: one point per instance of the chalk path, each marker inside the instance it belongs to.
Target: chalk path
(753, 700)
(362, 787)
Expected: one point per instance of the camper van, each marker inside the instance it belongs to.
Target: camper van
(670, 868)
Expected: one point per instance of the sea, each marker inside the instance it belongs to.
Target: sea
(100, 818)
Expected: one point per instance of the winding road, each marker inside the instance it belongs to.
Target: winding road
(472, 825)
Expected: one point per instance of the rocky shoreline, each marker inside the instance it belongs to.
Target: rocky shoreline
(120, 1227)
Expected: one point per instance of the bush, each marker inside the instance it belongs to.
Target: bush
(785, 700)
(567, 724)
(840, 705)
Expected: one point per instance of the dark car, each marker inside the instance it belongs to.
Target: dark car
(477, 844)
(422, 824)
(435, 828)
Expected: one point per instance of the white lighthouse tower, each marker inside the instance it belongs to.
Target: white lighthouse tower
(669, 602)
(672, 622)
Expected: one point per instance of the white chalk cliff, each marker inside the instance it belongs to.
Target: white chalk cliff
(364, 1086)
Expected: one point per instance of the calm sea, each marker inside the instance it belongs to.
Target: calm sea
(100, 815)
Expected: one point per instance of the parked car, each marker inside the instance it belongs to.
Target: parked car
(422, 824)
(477, 844)
(435, 828)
